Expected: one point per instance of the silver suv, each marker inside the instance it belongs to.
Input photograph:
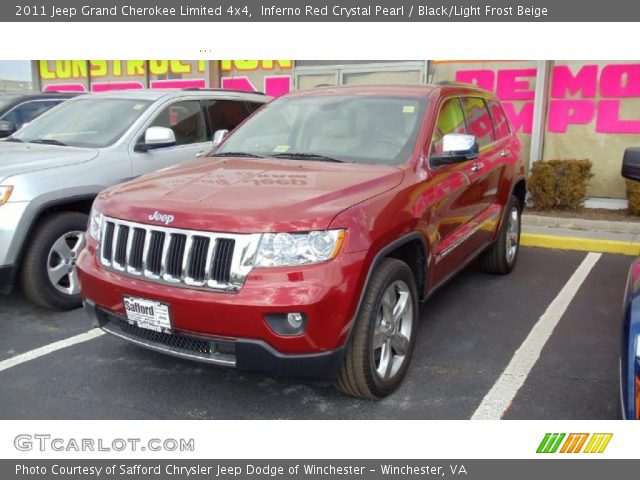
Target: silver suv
(52, 169)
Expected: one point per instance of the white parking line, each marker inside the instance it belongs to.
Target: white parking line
(47, 349)
(499, 398)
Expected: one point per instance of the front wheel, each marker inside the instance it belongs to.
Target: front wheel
(502, 256)
(48, 273)
(378, 357)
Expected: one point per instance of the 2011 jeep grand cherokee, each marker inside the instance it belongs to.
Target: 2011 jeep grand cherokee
(305, 243)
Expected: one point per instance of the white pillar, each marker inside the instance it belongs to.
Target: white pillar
(540, 101)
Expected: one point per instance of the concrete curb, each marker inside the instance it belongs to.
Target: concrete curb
(583, 244)
(580, 224)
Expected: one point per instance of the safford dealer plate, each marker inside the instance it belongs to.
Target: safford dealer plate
(148, 314)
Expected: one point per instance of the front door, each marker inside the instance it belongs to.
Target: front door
(456, 192)
(186, 119)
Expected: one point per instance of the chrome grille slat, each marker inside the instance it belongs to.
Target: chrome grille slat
(127, 252)
(154, 255)
(195, 268)
(136, 251)
(119, 247)
(187, 258)
(145, 249)
(106, 243)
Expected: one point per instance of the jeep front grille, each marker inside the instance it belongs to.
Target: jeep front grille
(190, 258)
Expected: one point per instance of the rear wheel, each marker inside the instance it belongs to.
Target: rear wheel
(48, 274)
(378, 357)
(502, 256)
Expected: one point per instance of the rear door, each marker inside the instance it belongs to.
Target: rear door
(224, 114)
(484, 172)
(186, 119)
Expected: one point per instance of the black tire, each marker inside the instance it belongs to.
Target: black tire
(358, 376)
(34, 277)
(496, 259)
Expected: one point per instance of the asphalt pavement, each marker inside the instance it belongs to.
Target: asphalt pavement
(469, 332)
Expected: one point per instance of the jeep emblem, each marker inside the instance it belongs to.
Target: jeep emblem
(161, 217)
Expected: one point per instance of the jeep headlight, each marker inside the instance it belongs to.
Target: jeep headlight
(5, 193)
(95, 224)
(290, 249)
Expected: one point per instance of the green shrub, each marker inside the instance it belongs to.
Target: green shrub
(559, 183)
(633, 195)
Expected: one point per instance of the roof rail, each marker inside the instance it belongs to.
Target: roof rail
(198, 89)
(455, 84)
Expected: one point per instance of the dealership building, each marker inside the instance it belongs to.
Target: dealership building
(560, 109)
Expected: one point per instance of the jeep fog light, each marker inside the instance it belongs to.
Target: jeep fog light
(294, 320)
(287, 323)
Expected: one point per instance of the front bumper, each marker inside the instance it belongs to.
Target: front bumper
(12, 233)
(231, 328)
(244, 354)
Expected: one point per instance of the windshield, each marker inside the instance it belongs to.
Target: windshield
(359, 129)
(91, 122)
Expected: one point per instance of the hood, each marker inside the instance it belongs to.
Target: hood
(17, 158)
(249, 195)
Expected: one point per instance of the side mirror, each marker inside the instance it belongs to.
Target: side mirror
(157, 137)
(456, 148)
(219, 136)
(7, 128)
(631, 164)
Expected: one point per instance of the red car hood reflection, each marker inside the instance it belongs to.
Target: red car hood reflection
(249, 195)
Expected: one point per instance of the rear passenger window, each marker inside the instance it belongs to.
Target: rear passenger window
(478, 120)
(185, 119)
(224, 114)
(253, 106)
(500, 123)
(450, 120)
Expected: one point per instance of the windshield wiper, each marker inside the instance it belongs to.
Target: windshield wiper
(309, 156)
(236, 154)
(11, 139)
(49, 141)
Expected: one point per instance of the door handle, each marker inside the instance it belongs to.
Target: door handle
(505, 153)
(476, 167)
(201, 154)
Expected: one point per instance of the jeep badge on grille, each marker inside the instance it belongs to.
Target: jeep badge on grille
(161, 217)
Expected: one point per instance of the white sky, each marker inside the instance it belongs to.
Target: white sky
(15, 70)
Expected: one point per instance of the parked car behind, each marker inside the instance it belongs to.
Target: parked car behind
(630, 341)
(20, 108)
(304, 245)
(52, 169)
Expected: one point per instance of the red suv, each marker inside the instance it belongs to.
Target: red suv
(304, 244)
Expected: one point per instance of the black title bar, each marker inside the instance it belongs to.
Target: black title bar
(318, 11)
(317, 469)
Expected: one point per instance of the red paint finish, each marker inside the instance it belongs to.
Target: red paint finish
(455, 209)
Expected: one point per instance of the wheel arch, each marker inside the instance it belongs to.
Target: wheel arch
(520, 191)
(74, 203)
(398, 248)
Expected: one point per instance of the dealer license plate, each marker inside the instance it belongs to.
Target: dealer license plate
(148, 314)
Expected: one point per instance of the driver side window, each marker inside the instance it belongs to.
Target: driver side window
(185, 119)
(450, 120)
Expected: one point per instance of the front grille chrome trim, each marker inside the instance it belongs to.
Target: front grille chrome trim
(244, 250)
